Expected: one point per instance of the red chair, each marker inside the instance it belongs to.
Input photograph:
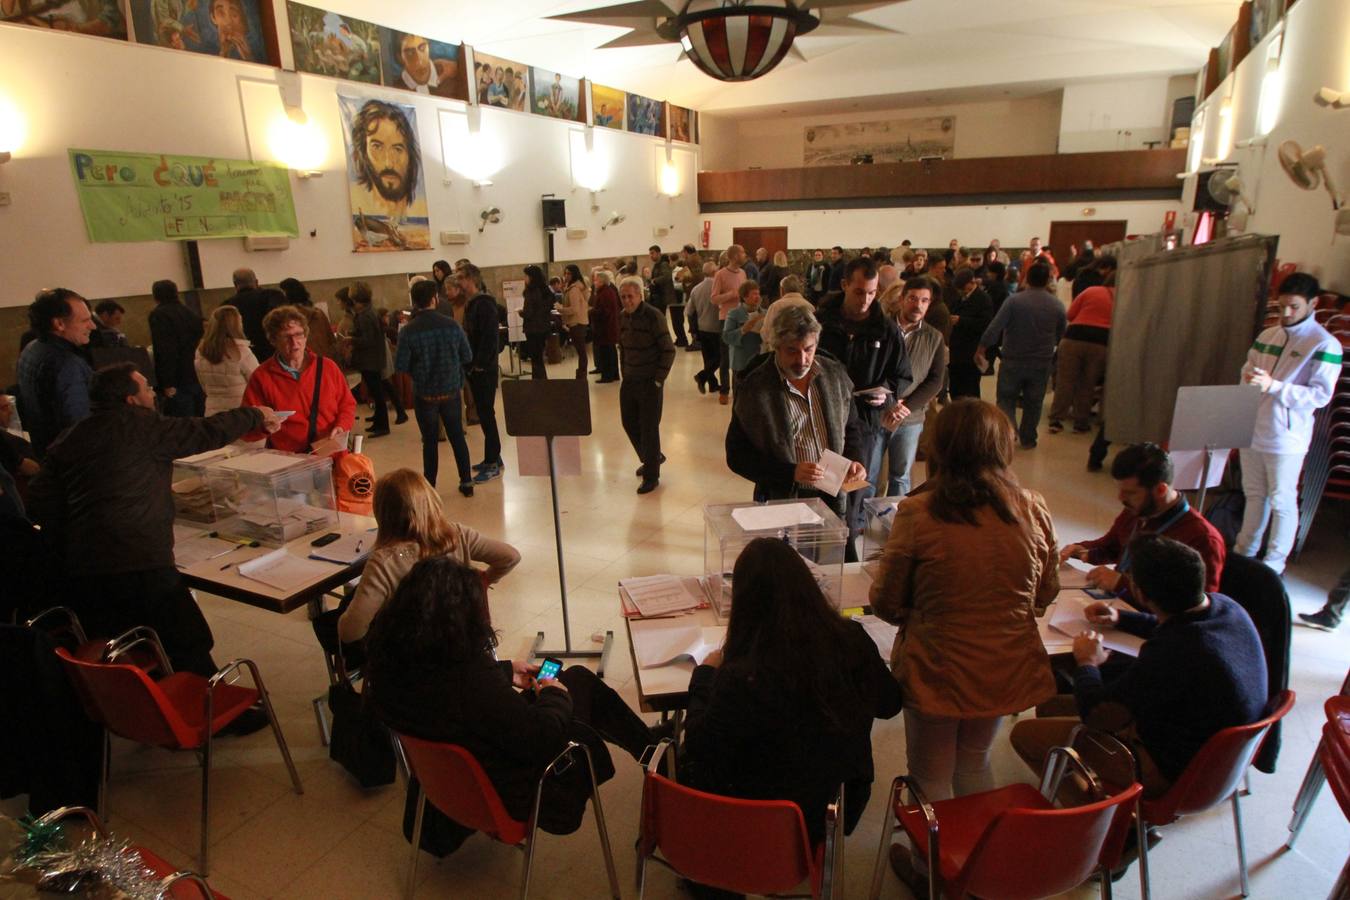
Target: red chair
(1013, 842)
(1214, 775)
(174, 884)
(454, 782)
(68, 631)
(1332, 751)
(746, 846)
(181, 711)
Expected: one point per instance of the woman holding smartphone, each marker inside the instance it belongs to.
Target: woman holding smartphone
(431, 673)
(784, 711)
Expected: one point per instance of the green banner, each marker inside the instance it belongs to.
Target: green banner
(159, 197)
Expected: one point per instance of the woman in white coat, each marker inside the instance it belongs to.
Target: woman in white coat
(224, 360)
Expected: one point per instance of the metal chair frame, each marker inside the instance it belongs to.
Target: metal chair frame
(531, 828)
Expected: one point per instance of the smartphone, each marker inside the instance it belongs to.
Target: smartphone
(1098, 593)
(325, 540)
(549, 669)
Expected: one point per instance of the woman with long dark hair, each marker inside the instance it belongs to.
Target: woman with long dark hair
(967, 565)
(575, 307)
(537, 318)
(785, 710)
(431, 673)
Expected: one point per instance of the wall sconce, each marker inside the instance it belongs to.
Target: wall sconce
(11, 130)
(1272, 88)
(298, 144)
(670, 180)
(1225, 129)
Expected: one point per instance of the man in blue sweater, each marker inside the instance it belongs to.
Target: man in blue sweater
(1201, 669)
(1029, 325)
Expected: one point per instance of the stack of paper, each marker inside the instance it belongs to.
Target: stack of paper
(661, 595)
(1067, 617)
(661, 643)
(1072, 575)
(772, 516)
(284, 571)
(882, 633)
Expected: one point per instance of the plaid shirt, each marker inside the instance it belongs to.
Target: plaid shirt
(434, 350)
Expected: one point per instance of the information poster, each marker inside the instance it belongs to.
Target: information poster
(159, 197)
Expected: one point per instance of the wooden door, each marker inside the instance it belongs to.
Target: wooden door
(1062, 234)
(771, 239)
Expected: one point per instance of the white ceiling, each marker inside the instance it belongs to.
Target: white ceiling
(941, 48)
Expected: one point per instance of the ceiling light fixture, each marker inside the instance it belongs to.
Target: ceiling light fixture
(737, 40)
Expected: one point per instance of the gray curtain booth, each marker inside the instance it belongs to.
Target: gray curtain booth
(1182, 317)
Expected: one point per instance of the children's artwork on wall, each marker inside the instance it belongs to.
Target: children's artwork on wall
(420, 64)
(227, 28)
(326, 43)
(556, 96)
(500, 82)
(681, 123)
(102, 18)
(384, 175)
(607, 106)
(886, 141)
(646, 116)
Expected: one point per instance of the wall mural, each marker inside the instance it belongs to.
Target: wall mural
(500, 82)
(646, 116)
(97, 17)
(420, 64)
(556, 96)
(899, 140)
(228, 28)
(607, 107)
(681, 123)
(326, 43)
(384, 175)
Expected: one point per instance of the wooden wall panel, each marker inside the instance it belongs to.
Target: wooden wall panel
(1070, 173)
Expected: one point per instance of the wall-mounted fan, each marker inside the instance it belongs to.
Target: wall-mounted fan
(1308, 168)
(615, 218)
(1227, 190)
(490, 216)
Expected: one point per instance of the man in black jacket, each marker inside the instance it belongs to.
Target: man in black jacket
(175, 332)
(971, 315)
(253, 305)
(481, 322)
(662, 294)
(855, 331)
(53, 374)
(104, 497)
(646, 355)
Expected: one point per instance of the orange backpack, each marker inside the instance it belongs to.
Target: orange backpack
(354, 481)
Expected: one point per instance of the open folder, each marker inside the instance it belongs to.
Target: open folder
(1067, 618)
(659, 642)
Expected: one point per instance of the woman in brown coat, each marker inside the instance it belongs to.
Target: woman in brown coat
(966, 568)
(575, 308)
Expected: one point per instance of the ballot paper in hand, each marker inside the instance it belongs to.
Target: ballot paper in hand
(1072, 577)
(1069, 619)
(774, 515)
(836, 468)
(658, 642)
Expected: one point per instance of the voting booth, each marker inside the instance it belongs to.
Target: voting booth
(808, 526)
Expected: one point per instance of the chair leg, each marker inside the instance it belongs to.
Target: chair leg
(884, 846)
(104, 764)
(1341, 889)
(276, 732)
(322, 718)
(641, 873)
(206, 805)
(1241, 845)
(1104, 875)
(600, 826)
(411, 886)
(529, 858)
(1141, 835)
(1307, 796)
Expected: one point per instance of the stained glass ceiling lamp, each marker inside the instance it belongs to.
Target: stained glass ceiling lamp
(737, 40)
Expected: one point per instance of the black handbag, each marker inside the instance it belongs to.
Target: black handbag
(359, 741)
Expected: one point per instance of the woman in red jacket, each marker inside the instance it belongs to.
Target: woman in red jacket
(605, 326)
(287, 382)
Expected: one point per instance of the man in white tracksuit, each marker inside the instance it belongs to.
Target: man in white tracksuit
(1295, 364)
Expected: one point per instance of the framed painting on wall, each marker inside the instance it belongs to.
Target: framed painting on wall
(385, 181)
(102, 18)
(556, 96)
(231, 29)
(607, 107)
(646, 116)
(325, 43)
(422, 65)
(500, 82)
(681, 123)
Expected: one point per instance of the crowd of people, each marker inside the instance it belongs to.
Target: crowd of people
(870, 358)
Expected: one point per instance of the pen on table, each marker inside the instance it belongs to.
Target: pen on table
(358, 545)
(240, 547)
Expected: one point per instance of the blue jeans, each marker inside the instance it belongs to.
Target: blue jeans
(430, 414)
(873, 446)
(903, 447)
(1025, 382)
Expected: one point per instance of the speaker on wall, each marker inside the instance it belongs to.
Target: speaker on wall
(555, 213)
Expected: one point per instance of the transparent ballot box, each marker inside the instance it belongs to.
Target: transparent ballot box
(192, 503)
(878, 517)
(272, 497)
(809, 526)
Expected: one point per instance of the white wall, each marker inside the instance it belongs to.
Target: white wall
(1019, 127)
(1316, 53)
(73, 91)
(1114, 115)
(1013, 225)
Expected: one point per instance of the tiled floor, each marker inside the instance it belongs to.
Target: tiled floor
(337, 841)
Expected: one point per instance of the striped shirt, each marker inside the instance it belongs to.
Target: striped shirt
(806, 419)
